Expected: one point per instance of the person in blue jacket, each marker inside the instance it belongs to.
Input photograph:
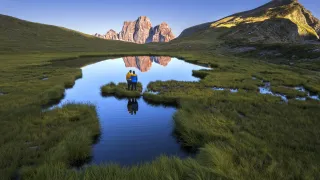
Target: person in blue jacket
(134, 80)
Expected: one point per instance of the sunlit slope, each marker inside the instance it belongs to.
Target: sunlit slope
(275, 22)
(23, 36)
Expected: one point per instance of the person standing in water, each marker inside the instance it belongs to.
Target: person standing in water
(134, 81)
(128, 77)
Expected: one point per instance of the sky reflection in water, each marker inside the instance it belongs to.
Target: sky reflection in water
(132, 131)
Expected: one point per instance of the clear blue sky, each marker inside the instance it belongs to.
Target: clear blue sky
(91, 16)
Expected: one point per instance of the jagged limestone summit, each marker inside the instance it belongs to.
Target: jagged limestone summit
(279, 21)
(140, 31)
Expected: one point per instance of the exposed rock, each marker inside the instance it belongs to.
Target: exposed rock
(99, 35)
(127, 31)
(279, 21)
(141, 31)
(162, 33)
(311, 20)
(111, 34)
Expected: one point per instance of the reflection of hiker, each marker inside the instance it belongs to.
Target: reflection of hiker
(135, 106)
(132, 106)
(128, 77)
(134, 81)
(129, 106)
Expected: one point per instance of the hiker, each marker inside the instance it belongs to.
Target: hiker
(128, 77)
(135, 106)
(134, 81)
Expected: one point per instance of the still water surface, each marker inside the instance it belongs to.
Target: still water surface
(129, 138)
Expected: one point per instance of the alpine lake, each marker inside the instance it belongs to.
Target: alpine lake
(132, 130)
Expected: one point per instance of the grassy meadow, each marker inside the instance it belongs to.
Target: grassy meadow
(243, 135)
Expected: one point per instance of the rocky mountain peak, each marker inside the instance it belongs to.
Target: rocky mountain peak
(143, 18)
(141, 31)
(279, 21)
(162, 33)
(112, 34)
(164, 24)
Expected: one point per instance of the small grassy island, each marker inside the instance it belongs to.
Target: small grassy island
(120, 90)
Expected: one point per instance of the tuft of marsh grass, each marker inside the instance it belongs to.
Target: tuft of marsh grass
(121, 90)
(162, 168)
(289, 92)
(61, 135)
(74, 149)
(200, 73)
(52, 95)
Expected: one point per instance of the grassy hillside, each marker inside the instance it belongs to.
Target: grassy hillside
(279, 21)
(23, 36)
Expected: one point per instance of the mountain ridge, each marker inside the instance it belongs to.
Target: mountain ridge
(140, 31)
(277, 21)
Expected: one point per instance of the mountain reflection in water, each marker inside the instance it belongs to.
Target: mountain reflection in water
(144, 63)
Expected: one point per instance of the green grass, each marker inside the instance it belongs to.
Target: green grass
(162, 168)
(63, 134)
(23, 36)
(200, 74)
(246, 136)
(244, 127)
(289, 92)
(242, 135)
(121, 90)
